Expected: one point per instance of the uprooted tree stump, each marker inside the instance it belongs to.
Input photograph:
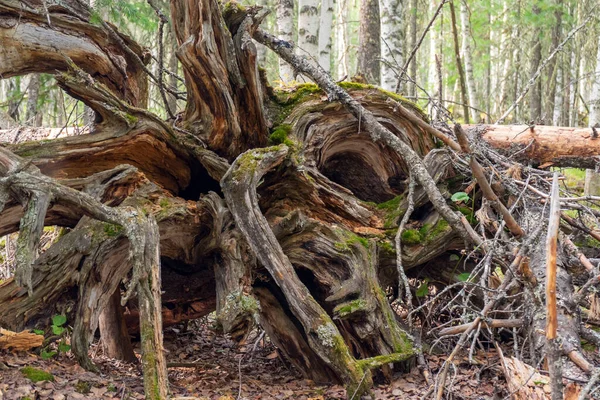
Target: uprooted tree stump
(273, 207)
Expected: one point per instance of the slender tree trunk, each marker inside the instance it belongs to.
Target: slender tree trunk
(308, 28)
(552, 65)
(433, 40)
(261, 51)
(14, 97)
(412, 88)
(341, 38)
(468, 57)
(566, 75)
(461, 73)
(285, 30)
(392, 38)
(32, 114)
(173, 64)
(505, 53)
(592, 179)
(535, 99)
(595, 98)
(559, 94)
(369, 42)
(326, 20)
(488, 74)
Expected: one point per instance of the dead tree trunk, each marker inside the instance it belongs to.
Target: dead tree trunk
(298, 237)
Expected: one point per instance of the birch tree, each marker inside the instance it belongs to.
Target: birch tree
(341, 39)
(392, 38)
(468, 59)
(308, 27)
(592, 179)
(285, 30)
(325, 23)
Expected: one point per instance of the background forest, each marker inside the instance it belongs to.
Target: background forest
(498, 45)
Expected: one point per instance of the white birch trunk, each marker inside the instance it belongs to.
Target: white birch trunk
(468, 60)
(285, 31)
(308, 28)
(392, 38)
(326, 21)
(433, 40)
(558, 99)
(341, 39)
(592, 179)
(505, 38)
(595, 96)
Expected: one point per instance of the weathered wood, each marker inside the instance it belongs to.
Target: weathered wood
(239, 186)
(113, 330)
(541, 145)
(19, 341)
(224, 92)
(30, 45)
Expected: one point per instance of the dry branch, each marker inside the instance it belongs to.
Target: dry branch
(552, 351)
(487, 190)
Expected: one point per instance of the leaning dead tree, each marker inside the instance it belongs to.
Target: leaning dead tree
(279, 208)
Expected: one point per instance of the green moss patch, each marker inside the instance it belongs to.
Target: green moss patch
(346, 309)
(350, 239)
(37, 375)
(392, 211)
(280, 135)
(112, 230)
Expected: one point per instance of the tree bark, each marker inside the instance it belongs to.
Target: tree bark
(535, 98)
(113, 330)
(544, 145)
(325, 22)
(412, 88)
(468, 57)
(553, 66)
(369, 42)
(32, 116)
(341, 39)
(285, 30)
(461, 74)
(592, 178)
(392, 38)
(308, 28)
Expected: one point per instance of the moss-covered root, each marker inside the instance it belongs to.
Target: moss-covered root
(239, 187)
(154, 365)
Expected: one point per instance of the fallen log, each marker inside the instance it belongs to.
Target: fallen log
(543, 146)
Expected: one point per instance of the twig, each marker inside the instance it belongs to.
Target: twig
(489, 194)
(402, 278)
(587, 390)
(493, 323)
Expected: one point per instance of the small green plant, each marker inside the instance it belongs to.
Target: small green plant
(423, 290)
(83, 387)
(57, 324)
(60, 329)
(460, 197)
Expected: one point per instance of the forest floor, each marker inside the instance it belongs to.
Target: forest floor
(210, 368)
